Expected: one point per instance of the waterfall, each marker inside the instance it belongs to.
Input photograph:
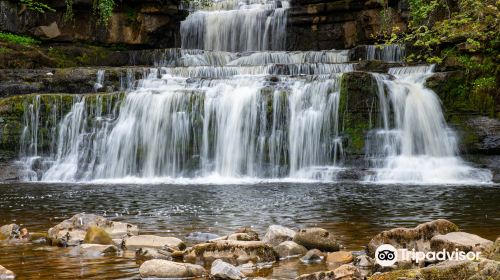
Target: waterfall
(413, 143)
(237, 26)
(388, 53)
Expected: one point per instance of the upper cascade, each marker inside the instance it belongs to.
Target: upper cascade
(237, 26)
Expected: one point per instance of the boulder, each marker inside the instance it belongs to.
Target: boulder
(153, 241)
(97, 235)
(6, 274)
(243, 237)
(223, 270)
(152, 253)
(316, 238)
(494, 251)
(230, 251)
(462, 241)
(483, 269)
(9, 232)
(344, 272)
(313, 256)
(289, 249)
(72, 232)
(409, 238)
(364, 262)
(340, 257)
(95, 250)
(169, 269)
(277, 234)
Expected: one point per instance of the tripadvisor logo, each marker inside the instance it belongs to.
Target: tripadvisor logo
(388, 255)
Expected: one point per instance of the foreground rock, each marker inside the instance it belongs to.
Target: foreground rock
(223, 270)
(276, 234)
(316, 238)
(72, 232)
(461, 241)
(97, 235)
(340, 257)
(344, 272)
(95, 250)
(230, 251)
(313, 256)
(10, 232)
(153, 241)
(6, 274)
(484, 269)
(169, 269)
(418, 237)
(494, 252)
(289, 249)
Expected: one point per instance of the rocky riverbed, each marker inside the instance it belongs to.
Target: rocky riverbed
(247, 253)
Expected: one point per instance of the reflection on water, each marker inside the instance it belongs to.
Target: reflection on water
(353, 212)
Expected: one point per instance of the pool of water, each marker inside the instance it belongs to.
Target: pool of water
(353, 212)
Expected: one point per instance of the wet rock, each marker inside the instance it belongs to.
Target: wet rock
(95, 250)
(230, 251)
(313, 256)
(72, 232)
(288, 249)
(151, 253)
(483, 269)
(418, 237)
(340, 257)
(252, 234)
(169, 269)
(461, 241)
(364, 262)
(10, 232)
(243, 237)
(494, 251)
(153, 241)
(316, 238)
(344, 272)
(223, 270)
(6, 274)
(97, 235)
(487, 132)
(277, 234)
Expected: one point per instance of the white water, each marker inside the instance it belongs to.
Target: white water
(237, 26)
(414, 144)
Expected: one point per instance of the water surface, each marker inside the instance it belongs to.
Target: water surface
(353, 212)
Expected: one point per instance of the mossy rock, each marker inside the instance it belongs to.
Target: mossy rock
(97, 235)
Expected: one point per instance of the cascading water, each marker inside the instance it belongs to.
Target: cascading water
(230, 25)
(413, 143)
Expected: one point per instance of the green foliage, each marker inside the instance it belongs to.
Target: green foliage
(102, 8)
(36, 6)
(18, 39)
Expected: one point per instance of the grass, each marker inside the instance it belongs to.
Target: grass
(18, 39)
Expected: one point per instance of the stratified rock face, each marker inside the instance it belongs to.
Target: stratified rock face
(484, 269)
(288, 249)
(230, 251)
(320, 25)
(418, 237)
(344, 272)
(72, 232)
(316, 238)
(169, 269)
(461, 241)
(151, 23)
(277, 234)
(6, 274)
(223, 270)
(153, 241)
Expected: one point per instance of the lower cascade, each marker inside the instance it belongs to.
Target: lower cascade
(262, 115)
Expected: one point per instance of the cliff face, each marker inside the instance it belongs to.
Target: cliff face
(312, 24)
(339, 24)
(148, 23)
